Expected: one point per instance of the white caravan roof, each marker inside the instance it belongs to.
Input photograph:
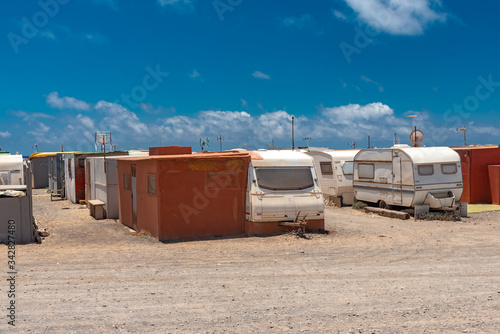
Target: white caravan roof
(419, 155)
(11, 162)
(283, 158)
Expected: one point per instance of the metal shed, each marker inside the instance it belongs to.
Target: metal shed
(475, 162)
(56, 176)
(40, 169)
(74, 173)
(101, 182)
(184, 196)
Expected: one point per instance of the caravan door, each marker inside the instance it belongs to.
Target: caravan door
(397, 185)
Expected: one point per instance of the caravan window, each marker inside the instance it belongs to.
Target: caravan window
(326, 168)
(449, 168)
(425, 170)
(348, 168)
(284, 178)
(366, 171)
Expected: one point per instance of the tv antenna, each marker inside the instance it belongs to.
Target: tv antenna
(103, 138)
(204, 143)
(352, 144)
(220, 139)
(416, 138)
(412, 117)
(36, 146)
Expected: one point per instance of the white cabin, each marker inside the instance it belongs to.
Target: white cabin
(281, 186)
(335, 173)
(408, 176)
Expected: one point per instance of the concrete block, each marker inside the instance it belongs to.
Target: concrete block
(421, 209)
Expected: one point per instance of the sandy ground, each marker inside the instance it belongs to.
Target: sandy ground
(375, 275)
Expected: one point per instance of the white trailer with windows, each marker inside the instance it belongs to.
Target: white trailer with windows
(282, 185)
(409, 176)
(335, 173)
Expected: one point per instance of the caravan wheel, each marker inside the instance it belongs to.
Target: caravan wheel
(384, 205)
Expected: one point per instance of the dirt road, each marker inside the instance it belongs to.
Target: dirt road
(375, 275)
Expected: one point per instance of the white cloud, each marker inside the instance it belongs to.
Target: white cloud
(244, 103)
(150, 109)
(27, 116)
(260, 75)
(380, 88)
(338, 14)
(54, 101)
(195, 75)
(355, 112)
(303, 22)
(397, 17)
(5, 134)
(120, 120)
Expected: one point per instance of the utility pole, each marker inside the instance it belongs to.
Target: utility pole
(220, 138)
(464, 130)
(103, 138)
(293, 139)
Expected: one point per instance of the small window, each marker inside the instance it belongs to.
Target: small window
(81, 163)
(348, 168)
(126, 181)
(366, 171)
(152, 184)
(449, 168)
(425, 170)
(70, 175)
(283, 178)
(326, 168)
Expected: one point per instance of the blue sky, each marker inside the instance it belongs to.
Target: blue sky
(181, 70)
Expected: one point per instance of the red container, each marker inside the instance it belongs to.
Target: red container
(475, 162)
(188, 196)
(169, 150)
(494, 174)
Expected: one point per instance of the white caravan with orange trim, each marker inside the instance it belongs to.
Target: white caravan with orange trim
(409, 176)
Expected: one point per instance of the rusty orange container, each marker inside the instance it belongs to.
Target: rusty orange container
(494, 174)
(173, 197)
(475, 162)
(170, 150)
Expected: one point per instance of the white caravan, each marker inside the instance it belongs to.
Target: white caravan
(409, 176)
(11, 169)
(335, 172)
(280, 185)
